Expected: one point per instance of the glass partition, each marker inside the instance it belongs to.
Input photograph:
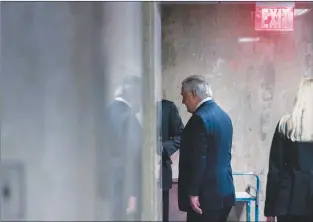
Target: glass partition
(80, 82)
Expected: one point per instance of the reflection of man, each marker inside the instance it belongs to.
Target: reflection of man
(123, 141)
(205, 184)
(172, 128)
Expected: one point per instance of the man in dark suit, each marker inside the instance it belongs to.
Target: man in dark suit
(205, 184)
(122, 143)
(172, 128)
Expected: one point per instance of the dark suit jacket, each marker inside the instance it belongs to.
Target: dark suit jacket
(122, 141)
(172, 128)
(289, 188)
(205, 159)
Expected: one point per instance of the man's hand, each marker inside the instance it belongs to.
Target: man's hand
(131, 205)
(195, 204)
(270, 219)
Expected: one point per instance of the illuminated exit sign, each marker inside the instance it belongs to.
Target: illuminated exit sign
(274, 16)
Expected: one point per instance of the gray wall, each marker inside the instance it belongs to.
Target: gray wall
(60, 63)
(52, 88)
(254, 82)
(47, 102)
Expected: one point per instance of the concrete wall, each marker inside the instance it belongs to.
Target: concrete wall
(47, 105)
(60, 63)
(254, 82)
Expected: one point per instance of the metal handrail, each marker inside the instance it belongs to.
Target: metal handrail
(257, 182)
(257, 191)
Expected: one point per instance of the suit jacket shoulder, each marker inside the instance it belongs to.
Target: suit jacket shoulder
(167, 103)
(206, 115)
(213, 112)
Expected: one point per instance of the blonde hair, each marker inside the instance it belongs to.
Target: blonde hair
(298, 126)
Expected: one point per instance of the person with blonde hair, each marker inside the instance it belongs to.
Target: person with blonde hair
(289, 189)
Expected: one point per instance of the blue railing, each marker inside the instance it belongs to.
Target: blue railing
(247, 197)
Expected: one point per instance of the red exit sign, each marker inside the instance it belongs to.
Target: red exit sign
(271, 18)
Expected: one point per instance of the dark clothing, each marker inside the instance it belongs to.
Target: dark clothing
(210, 216)
(123, 168)
(205, 160)
(172, 128)
(288, 218)
(166, 205)
(289, 189)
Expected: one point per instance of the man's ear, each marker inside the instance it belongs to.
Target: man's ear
(194, 95)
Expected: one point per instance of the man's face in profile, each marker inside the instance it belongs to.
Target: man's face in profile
(188, 100)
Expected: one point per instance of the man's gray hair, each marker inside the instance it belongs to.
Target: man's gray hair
(129, 82)
(198, 85)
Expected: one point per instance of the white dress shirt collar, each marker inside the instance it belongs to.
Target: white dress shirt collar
(123, 100)
(203, 101)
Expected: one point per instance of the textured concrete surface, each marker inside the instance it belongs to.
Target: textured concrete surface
(52, 66)
(255, 82)
(61, 63)
(46, 106)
